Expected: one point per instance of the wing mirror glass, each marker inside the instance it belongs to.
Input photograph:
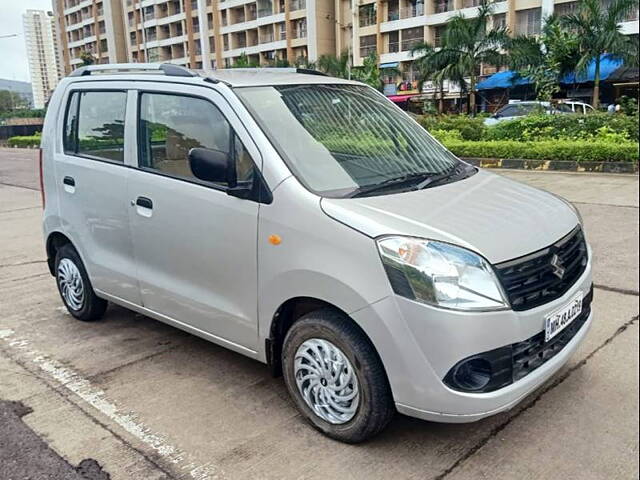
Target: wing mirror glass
(209, 165)
(215, 166)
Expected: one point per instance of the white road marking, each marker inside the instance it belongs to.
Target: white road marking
(76, 383)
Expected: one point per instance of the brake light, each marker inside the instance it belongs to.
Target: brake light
(41, 178)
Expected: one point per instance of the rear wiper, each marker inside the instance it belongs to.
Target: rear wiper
(390, 182)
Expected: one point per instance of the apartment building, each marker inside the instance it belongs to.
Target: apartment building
(89, 27)
(39, 35)
(220, 33)
(268, 31)
(391, 28)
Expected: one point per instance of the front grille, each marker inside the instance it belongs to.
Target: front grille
(535, 279)
(510, 363)
(533, 352)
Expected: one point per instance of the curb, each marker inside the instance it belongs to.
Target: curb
(554, 165)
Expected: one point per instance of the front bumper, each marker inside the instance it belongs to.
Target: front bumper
(419, 344)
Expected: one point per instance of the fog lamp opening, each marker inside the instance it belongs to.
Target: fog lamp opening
(473, 374)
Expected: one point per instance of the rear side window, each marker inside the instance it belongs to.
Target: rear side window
(171, 125)
(94, 125)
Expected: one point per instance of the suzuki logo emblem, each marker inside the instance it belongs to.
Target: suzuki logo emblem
(558, 269)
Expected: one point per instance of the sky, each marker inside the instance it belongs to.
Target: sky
(13, 55)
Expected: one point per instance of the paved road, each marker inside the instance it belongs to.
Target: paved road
(147, 401)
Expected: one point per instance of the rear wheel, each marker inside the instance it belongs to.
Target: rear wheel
(335, 377)
(74, 286)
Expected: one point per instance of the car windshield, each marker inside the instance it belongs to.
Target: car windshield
(340, 139)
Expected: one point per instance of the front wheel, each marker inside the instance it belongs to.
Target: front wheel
(335, 377)
(75, 288)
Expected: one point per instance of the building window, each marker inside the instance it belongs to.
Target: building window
(442, 6)
(529, 22)
(414, 8)
(394, 42)
(470, 3)
(298, 5)
(299, 28)
(412, 37)
(438, 35)
(500, 20)
(562, 9)
(265, 8)
(367, 45)
(367, 14)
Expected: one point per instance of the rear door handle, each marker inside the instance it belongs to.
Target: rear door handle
(144, 202)
(144, 206)
(69, 184)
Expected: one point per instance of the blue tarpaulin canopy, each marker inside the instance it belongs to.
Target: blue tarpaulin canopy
(510, 79)
(506, 79)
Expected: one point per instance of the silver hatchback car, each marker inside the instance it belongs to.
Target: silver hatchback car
(308, 223)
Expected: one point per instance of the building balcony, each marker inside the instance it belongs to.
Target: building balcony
(412, 11)
(367, 50)
(409, 43)
(298, 4)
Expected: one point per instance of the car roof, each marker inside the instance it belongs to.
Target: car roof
(233, 77)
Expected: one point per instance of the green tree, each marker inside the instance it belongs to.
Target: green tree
(11, 101)
(243, 62)
(335, 66)
(369, 72)
(433, 67)
(545, 59)
(87, 57)
(469, 43)
(598, 29)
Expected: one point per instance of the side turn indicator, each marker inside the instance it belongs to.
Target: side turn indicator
(275, 239)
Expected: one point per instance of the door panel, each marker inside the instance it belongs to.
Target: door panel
(195, 245)
(92, 185)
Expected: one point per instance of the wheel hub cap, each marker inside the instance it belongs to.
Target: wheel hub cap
(326, 380)
(71, 285)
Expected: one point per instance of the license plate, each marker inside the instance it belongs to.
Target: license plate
(557, 321)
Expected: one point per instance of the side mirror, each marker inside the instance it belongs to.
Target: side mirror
(209, 165)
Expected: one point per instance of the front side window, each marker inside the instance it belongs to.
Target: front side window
(94, 125)
(172, 125)
(339, 139)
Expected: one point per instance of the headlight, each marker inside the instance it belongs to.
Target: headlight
(440, 274)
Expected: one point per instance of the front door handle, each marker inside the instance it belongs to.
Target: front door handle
(144, 202)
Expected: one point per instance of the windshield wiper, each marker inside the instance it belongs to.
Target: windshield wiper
(390, 182)
(434, 179)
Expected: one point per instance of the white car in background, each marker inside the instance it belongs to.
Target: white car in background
(517, 109)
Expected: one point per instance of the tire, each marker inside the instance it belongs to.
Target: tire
(307, 338)
(76, 292)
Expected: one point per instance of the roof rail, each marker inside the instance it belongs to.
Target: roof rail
(306, 71)
(168, 69)
(310, 71)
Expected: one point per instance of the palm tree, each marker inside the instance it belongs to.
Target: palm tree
(546, 59)
(469, 43)
(598, 30)
(430, 68)
(335, 66)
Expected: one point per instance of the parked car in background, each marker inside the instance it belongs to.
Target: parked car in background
(574, 107)
(516, 109)
(306, 222)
